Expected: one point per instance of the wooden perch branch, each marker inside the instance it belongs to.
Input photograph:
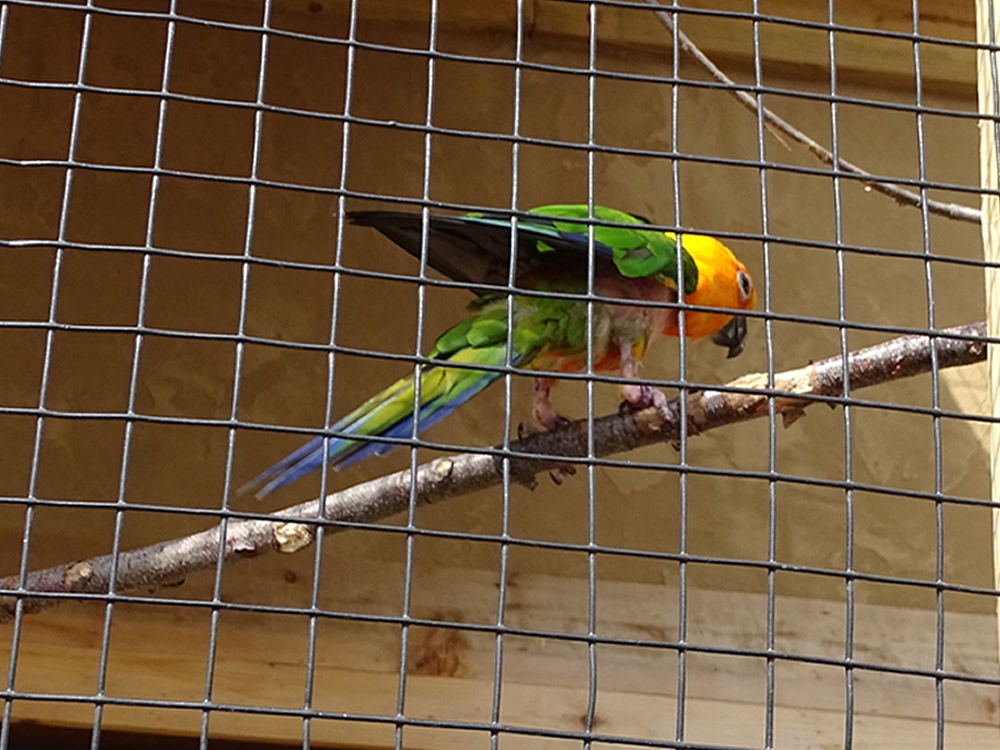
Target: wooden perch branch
(170, 561)
(779, 126)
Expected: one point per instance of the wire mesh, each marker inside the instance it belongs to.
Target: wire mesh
(185, 301)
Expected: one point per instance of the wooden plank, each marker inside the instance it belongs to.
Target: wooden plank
(990, 179)
(160, 653)
(786, 49)
(720, 722)
(790, 50)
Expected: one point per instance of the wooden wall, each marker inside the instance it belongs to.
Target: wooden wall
(200, 225)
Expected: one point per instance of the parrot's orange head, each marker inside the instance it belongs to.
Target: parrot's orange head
(723, 281)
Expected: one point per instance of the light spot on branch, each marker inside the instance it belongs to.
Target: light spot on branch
(291, 537)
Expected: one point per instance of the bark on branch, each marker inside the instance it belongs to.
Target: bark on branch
(170, 561)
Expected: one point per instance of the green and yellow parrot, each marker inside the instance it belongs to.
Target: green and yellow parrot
(632, 264)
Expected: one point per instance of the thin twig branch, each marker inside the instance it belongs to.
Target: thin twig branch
(775, 123)
(169, 562)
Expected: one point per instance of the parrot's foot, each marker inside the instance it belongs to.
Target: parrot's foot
(547, 418)
(526, 431)
(542, 409)
(562, 471)
(639, 397)
(552, 422)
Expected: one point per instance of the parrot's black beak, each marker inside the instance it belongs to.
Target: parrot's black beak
(732, 335)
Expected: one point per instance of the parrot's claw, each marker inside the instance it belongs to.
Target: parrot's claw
(522, 431)
(639, 397)
(555, 423)
(562, 471)
(549, 419)
(542, 410)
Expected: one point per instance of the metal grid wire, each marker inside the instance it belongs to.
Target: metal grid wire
(498, 730)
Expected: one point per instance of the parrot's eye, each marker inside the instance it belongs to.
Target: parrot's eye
(746, 285)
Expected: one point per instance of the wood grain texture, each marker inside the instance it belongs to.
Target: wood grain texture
(988, 69)
(787, 47)
(160, 653)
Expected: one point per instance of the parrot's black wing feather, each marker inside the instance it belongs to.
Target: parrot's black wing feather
(476, 250)
(454, 248)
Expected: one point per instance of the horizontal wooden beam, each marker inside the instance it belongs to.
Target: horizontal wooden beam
(159, 652)
(786, 49)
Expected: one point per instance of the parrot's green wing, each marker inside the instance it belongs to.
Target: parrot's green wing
(552, 243)
(635, 250)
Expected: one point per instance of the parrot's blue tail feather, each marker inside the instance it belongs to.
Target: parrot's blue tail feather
(343, 452)
(292, 458)
(430, 414)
